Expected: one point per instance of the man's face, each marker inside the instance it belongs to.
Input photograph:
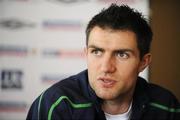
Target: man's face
(113, 62)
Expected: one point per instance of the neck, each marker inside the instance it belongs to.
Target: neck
(117, 106)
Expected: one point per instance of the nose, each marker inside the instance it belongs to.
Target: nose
(108, 64)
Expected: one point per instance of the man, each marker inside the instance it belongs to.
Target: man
(118, 44)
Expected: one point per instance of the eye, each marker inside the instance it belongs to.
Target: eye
(96, 52)
(122, 55)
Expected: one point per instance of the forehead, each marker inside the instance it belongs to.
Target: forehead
(117, 39)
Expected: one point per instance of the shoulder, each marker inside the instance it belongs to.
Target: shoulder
(71, 87)
(60, 98)
(158, 94)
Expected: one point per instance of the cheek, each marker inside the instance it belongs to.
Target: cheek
(91, 68)
(92, 72)
(128, 67)
(92, 63)
(127, 76)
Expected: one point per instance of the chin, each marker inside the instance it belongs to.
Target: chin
(106, 96)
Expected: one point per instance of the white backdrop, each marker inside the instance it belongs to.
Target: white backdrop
(41, 42)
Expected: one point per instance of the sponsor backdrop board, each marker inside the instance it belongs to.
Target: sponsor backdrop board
(41, 42)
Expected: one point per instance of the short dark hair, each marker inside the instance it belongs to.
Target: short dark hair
(124, 18)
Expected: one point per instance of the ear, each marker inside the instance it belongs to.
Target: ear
(146, 60)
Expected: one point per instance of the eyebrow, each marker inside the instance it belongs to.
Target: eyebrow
(115, 51)
(95, 47)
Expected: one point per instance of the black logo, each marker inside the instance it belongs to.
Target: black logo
(11, 79)
(15, 24)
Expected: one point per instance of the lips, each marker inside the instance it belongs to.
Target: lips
(107, 82)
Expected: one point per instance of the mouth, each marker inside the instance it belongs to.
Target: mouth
(107, 82)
